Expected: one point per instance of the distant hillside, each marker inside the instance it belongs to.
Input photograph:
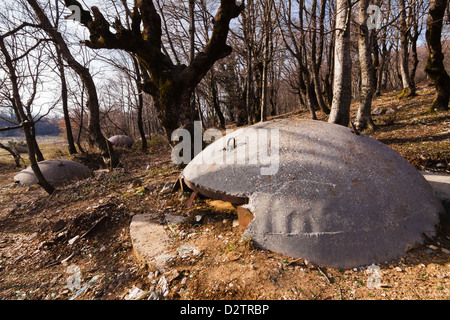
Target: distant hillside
(45, 127)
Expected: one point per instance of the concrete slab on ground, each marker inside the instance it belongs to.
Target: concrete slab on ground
(150, 241)
(440, 183)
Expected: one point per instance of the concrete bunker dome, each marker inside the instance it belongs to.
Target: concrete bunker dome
(336, 199)
(121, 141)
(55, 171)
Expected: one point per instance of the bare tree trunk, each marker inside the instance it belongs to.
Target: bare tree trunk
(267, 39)
(404, 43)
(330, 74)
(19, 109)
(248, 38)
(214, 100)
(342, 88)
(310, 98)
(414, 36)
(15, 154)
(70, 141)
(316, 56)
(435, 66)
(364, 115)
(80, 129)
(37, 150)
(381, 73)
(191, 30)
(140, 105)
(95, 134)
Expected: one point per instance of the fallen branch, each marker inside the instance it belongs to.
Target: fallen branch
(94, 225)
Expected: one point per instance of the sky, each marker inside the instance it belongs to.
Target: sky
(75, 32)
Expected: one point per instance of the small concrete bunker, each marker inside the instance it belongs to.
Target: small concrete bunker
(121, 141)
(56, 171)
(318, 191)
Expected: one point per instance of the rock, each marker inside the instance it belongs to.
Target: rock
(136, 293)
(171, 275)
(57, 172)
(378, 111)
(188, 250)
(163, 286)
(324, 194)
(74, 280)
(390, 111)
(174, 219)
(121, 141)
(71, 241)
(166, 188)
(154, 296)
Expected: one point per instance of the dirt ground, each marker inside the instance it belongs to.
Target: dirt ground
(86, 224)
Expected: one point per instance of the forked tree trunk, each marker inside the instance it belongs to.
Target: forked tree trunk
(170, 84)
(19, 110)
(435, 66)
(95, 135)
(342, 87)
(364, 115)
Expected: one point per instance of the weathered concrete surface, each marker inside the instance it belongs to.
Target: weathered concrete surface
(56, 171)
(150, 241)
(122, 141)
(441, 184)
(336, 198)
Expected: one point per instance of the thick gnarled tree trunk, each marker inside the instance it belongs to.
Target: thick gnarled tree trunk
(170, 84)
(435, 66)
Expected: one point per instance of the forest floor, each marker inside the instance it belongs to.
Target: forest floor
(85, 226)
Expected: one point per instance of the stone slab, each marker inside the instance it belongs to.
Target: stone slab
(150, 241)
(440, 183)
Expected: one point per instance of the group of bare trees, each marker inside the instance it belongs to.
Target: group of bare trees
(172, 62)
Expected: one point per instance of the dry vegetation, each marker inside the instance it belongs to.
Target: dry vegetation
(35, 231)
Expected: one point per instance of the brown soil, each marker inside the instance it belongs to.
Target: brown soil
(35, 231)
